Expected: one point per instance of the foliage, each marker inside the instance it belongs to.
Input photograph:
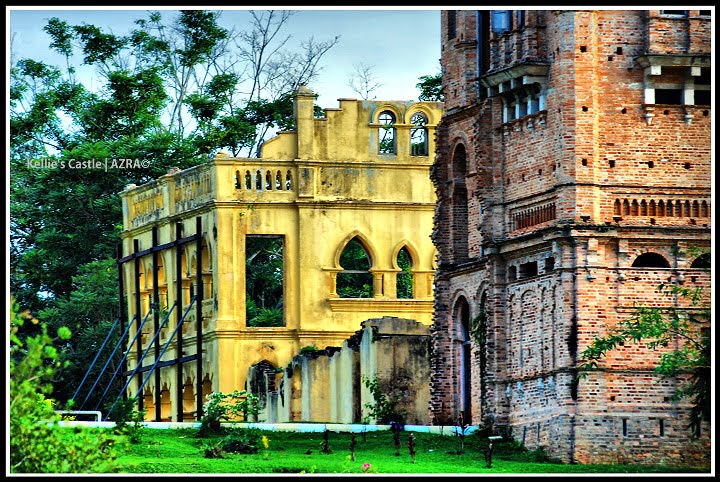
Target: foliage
(430, 87)
(244, 441)
(128, 419)
(37, 443)
(404, 278)
(355, 281)
(677, 332)
(222, 407)
(385, 409)
(170, 92)
(311, 350)
(362, 80)
(264, 278)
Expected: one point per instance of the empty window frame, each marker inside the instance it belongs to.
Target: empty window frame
(355, 279)
(418, 135)
(650, 260)
(404, 283)
(264, 281)
(386, 133)
(451, 24)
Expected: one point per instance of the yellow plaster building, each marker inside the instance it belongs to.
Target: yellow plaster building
(358, 175)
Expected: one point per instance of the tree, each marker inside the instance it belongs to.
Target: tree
(430, 87)
(680, 332)
(362, 80)
(171, 92)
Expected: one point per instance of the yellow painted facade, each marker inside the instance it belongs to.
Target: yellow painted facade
(318, 187)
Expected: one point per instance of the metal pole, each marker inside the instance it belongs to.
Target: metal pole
(178, 299)
(138, 315)
(121, 314)
(198, 317)
(156, 321)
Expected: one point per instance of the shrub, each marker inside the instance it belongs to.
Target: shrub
(37, 443)
(386, 407)
(243, 441)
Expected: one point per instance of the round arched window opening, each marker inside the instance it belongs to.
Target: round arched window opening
(650, 260)
(702, 262)
(418, 135)
(386, 133)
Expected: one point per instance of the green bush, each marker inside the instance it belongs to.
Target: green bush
(243, 441)
(37, 443)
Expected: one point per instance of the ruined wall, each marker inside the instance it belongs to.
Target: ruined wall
(328, 385)
(317, 189)
(571, 170)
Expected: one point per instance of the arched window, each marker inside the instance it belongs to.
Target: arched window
(461, 315)
(404, 277)
(702, 262)
(355, 279)
(650, 260)
(459, 206)
(237, 180)
(258, 181)
(268, 181)
(288, 181)
(418, 135)
(386, 133)
(248, 180)
(278, 181)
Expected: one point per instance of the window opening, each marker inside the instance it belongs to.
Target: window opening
(264, 281)
(528, 269)
(404, 277)
(650, 260)
(278, 181)
(386, 133)
(355, 279)
(702, 262)
(451, 24)
(248, 180)
(418, 135)
(462, 317)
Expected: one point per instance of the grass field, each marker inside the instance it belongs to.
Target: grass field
(180, 451)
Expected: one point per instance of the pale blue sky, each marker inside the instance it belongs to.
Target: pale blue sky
(402, 45)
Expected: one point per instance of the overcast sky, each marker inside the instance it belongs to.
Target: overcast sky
(402, 45)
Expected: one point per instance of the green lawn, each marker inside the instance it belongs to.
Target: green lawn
(179, 451)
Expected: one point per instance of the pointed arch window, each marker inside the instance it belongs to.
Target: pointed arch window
(386, 133)
(418, 135)
(404, 277)
(355, 279)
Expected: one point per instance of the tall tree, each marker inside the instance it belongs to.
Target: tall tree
(171, 92)
(362, 80)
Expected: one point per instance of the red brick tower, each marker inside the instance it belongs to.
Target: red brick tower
(573, 173)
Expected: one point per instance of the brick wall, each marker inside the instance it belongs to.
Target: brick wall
(560, 202)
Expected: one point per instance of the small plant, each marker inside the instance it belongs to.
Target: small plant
(244, 441)
(353, 443)
(461, 431)
(128, 420)
(411, 447)
(266, 445)
(396, 428)
(325, 445)
(311, 350)
(227, 406)
(213, 451)
(386, 407)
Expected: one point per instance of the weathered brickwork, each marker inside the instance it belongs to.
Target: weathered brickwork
(575, 145)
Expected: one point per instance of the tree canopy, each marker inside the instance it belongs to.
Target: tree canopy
(170, 92)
